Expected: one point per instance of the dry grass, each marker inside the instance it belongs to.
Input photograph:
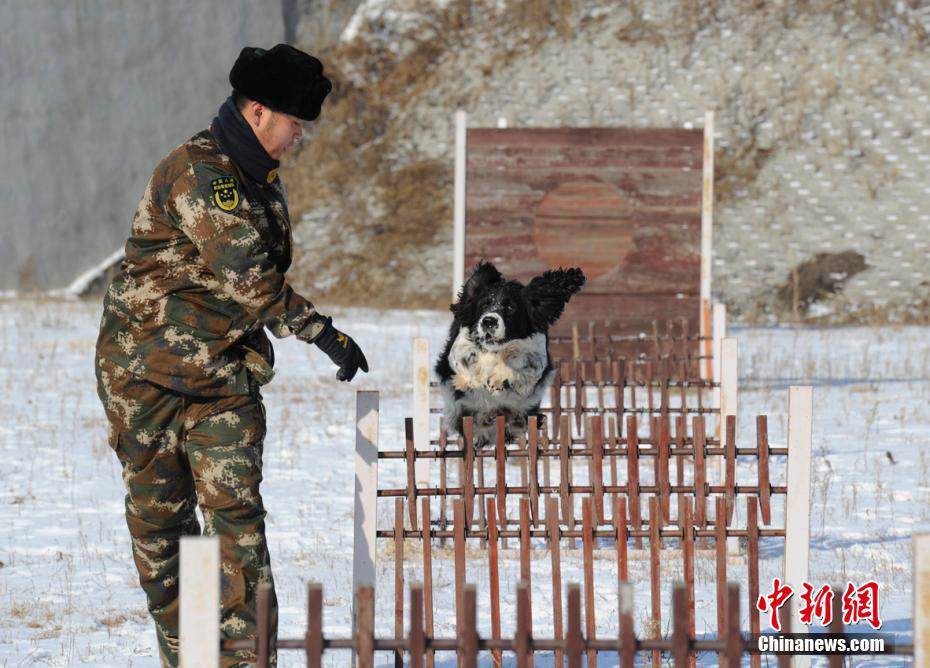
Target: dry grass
(392, 207)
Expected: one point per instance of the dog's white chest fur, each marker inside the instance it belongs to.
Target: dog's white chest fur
(508, 380)
(513, 368)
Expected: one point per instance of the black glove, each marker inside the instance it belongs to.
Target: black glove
(342, 350)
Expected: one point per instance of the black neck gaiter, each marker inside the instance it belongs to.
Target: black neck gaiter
(238, 141)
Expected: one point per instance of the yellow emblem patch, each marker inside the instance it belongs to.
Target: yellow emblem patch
(341, 338)
(225, 193)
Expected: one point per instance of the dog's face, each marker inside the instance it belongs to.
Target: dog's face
(496, 310)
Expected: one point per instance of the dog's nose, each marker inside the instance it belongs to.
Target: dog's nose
(489, 323)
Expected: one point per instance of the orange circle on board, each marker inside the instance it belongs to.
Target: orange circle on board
(584, 224)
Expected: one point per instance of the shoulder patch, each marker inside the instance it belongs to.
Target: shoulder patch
(225, 193)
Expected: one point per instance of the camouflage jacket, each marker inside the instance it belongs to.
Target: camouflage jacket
(203, 275)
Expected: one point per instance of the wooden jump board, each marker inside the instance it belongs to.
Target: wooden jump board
(623, 204)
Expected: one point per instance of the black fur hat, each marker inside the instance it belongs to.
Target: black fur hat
(282, 78)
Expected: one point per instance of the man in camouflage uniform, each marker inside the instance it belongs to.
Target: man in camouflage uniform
(182, 349)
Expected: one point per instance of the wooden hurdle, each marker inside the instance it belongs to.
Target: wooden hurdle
(668, 499)
(200, 645)
(671, 522)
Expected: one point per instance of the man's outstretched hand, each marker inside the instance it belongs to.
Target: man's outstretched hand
(342, 350)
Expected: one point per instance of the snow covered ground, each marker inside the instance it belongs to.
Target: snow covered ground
(68, 592)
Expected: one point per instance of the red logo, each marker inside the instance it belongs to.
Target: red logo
(772, 602)
(860, 604)
(817, 604)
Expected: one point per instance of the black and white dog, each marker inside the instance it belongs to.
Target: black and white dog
(496, 360)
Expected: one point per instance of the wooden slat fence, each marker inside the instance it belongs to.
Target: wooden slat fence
(613, 512)
(576, 646)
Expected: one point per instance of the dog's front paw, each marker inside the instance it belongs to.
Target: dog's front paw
(463, 381)
(500, 379)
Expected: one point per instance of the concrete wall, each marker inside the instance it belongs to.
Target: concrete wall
(94, 94)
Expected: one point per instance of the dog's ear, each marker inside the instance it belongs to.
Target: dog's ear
(484, 275)
(548, 294)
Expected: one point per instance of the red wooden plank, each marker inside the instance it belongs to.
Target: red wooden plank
(458, 523)
(784, 619)
(762, 443)
(468, 636)
(555, 399)
(428, 577)
(313, 642)
(620, 391)
(836, 629)
(410, 457)
(552, 524)
(752, 563)
(597, 138)
(734, 637)
(680, 626)
(565, 471)
(526, 574)
(417, 640)
(665, 492)
(398, 577)
(632, 375)
(632, 458)
(589, 607)
(365, 627)
(482, 518)
(494, 581)
(468, 427)
(612, 444)
(687, 524)
(649, 378)
(553, 537)
(521, 640)
(680, 437)
(547, 474)
(574, 641)
(655, 574)
(597, 445)
(626, 639)
(700, 472)
(620, 522)
(720, 546)
(578, 372)
(731, 466)
(443, 480)
(500, 481)
(656, 347)
(533, 459)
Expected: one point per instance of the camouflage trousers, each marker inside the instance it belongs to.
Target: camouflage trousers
(178, 452)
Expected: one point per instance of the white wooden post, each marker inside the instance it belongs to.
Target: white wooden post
(719, 331)
(728, 406)
(199, 614)
(421, 413)
(707, 224)
(366, 494)
(797, 500)
(729, 379)
(458, 236)
(922, 599)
